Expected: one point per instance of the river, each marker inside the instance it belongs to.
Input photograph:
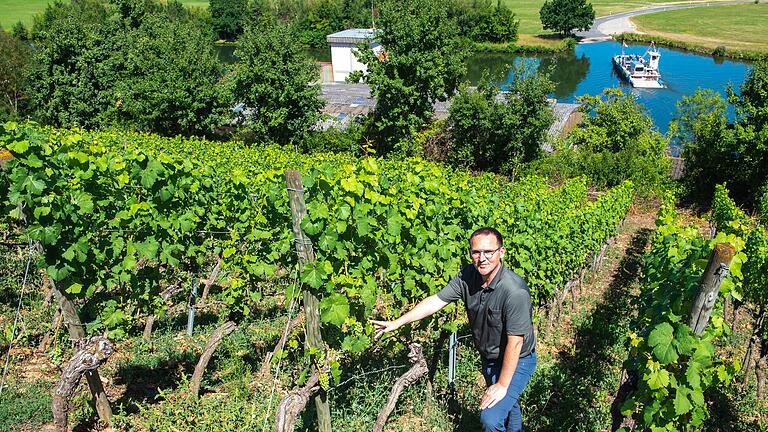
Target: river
(588, 70)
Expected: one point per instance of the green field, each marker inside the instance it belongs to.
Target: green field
(527, 11)
(741, 27)
(13, 11)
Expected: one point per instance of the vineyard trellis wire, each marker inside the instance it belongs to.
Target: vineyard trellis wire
(387, 232)
(292, 304)
(18, 314)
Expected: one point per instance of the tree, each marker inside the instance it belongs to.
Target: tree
(169, 83)
(324, 18)
(615, 142)
(19, 31)
(15, 58)
(700, 128)
(136, 64)
(421, 62)
(481, 22)
(276, 81)
(716, 151)
(564, 16)
(500, 134)
(751, 130)
(72, 70)
(228, 17)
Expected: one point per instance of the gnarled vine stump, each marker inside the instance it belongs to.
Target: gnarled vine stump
(418, 370)
(89, 356)
(216, 337)
(211, 279)
(293, 404)
(165, 295)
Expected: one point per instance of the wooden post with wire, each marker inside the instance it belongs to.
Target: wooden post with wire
(311, 303)
(709, 287)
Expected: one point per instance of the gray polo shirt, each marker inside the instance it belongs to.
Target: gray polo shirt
(501, 309)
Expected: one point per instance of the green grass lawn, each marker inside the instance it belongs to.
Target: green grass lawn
(13, 11)
(742, 27)
(527, 11)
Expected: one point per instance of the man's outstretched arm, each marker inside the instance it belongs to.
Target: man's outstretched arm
(425, 308)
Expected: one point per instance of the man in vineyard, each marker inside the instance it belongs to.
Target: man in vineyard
(498, 305)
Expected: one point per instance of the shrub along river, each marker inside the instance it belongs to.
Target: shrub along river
(588, 70)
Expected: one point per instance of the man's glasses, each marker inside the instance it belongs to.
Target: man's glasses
(488, 254)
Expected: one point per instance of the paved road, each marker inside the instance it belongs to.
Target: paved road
(605, 26)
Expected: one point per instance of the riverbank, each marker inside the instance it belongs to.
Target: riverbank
(719, 51)
(735, 31)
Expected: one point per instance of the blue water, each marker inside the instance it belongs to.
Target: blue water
(588, 70)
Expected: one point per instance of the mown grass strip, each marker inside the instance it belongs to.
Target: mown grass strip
(736, 27)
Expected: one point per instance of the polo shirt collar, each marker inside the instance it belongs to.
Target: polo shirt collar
(496, 278)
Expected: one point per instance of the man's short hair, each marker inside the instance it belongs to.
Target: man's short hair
(487, 231)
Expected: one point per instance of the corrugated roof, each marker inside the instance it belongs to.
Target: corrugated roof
(352, 36)
(358, 33)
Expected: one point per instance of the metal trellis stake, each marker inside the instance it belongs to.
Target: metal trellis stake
(192, 301)
(452, 346)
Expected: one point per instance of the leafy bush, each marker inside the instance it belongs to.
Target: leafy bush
(494, 132)
(716, 150)
(615, 142)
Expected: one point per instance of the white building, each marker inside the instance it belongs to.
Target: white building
(343, 44)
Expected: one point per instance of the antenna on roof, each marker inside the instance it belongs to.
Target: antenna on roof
(373, 23)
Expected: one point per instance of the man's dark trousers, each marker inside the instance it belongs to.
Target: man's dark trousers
(506, 416)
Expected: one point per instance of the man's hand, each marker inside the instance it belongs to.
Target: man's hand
(493, 395)
(384, 327)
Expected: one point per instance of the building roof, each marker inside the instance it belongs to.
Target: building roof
(351, 35)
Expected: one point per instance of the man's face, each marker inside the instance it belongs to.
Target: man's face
(486, 253)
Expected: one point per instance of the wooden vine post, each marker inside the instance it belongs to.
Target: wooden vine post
(311, 303)
(214, 340)
(709, 287)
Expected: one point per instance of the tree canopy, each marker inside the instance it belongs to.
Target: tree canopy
(716, 150)
(499, 133)
(276, 82)
(422, 61)
(228, 17)
(169, 80)
(564, 16)
(128, 64)
(15, 57)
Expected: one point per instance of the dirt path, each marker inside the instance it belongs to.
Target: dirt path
(578, 380)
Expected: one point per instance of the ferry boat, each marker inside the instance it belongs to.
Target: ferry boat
(641, 71)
